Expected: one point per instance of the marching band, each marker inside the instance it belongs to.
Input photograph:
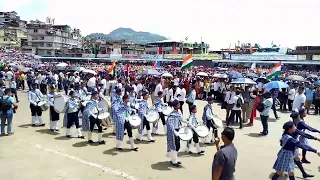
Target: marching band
(126, 112)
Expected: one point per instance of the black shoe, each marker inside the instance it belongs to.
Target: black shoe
(307, 175)
(33, 125)
(41, 125)
(201, 152)
(135, 149)
(119, 149)
(102, 142)
(139, 139)
(124, 133)
(52, 130)
(68, 136)
(190, 152)
(305, 161)
(152, 141)
(81, 137)
(56, 130)
(90, 142)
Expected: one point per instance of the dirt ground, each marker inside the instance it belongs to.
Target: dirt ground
(35, 153)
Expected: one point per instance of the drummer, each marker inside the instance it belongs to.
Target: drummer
(158, 106)
(132, 97)
(71, 116)
(193, 123)
(123, 123)
(80, 94)
(90, 118)
(34, 96)
(115, 101)
(143, 108)
(54, 116)
(207, 118)
(173, 125)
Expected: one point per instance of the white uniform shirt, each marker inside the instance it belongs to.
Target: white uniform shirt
(177, 93)
(92, 82)
(183, 94)
(228, 98)
(298, 100)
(234, 101)
(291, 94)
(158, 88)
(34, 96)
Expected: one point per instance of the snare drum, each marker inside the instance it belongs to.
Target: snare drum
(217, 122)
(135, 120)
(60, 103)
(152, 116)
(185, 133)
(166, 110)
(202, 131)
(43, 105)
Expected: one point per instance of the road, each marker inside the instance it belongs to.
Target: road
(35, 153)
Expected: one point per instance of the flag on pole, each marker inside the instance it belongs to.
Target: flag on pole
(187, 62)
(275, 71)
(112, 68)
(156, 64)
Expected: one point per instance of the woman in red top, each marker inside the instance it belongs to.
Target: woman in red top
(252, 109)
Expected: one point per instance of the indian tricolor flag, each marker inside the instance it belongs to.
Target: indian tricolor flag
(112, 68)
(187, 62)
(275, 71)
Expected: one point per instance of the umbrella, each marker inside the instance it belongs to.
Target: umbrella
(62, 64)
(234, 75)
(150, 72)
(262, 79)
(243, 81)
(317, 83)
(275, 85)
(166, 75)
(39, 65)
(253, 75)
(220, 76)
(295, 78)
(89, 71)
(313, 76)
(202, 74)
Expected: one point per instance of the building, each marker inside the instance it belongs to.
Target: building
(12, 30)
(176, 47)
(47, 39)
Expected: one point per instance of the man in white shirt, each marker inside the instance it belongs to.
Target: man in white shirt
(264, 115)
(299, 99)
(158, 88)
(291, 95)
(237, 102)
(9, 75)
(91, 84)
(182, 96)
(229, 101)
(176, 81)
(215, 90)
(139, 89)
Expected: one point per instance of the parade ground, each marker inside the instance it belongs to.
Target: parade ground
(35, 153)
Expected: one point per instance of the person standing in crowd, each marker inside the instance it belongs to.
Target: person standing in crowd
(237, 102)
(13, 87)
(291, 95)
(283, 98)
(22, 80)
(6, 113)
(316, 100)
(54, 116)
(264, 115)
(252, 109)
(158, 88)
(245, 106)
(229, 101)
(274, 95)
(299, 99)
(182, 97)
(225, 159)
(309, 97)
(191, 97)
(34, 97)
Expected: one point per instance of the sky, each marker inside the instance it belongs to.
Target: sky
(288, 23)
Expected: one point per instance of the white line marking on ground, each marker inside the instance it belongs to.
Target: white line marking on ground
(114, 172)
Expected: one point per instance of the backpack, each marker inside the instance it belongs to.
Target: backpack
(260, 106)
(239, 102)
(5, 105)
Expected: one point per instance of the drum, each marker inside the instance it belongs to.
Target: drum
(152, 116)
(103, 115)
(135, 120)
(217, 122)
(202, 131)
(166, 110)
(185, 133)
(136, 106)
(87, 98)
(60, 103)
(103, 104)
(43, 105)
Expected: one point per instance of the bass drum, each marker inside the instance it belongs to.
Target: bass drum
(185, 133)
(103, 104)
(60, 103)
(166, 110)
(135, 120)
(202, 131)
(152, 116)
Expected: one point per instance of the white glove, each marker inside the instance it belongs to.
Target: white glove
(95, 116)
(318, 152)
(176, 133)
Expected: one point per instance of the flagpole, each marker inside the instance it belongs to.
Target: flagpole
(201, 49)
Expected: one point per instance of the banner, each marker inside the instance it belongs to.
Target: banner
(131, 56)
(149, 56)
(316, 57)
(194, 56)
(302, 57)
(263, 57)
(88, 55)
(116, 56)
(103, 56)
